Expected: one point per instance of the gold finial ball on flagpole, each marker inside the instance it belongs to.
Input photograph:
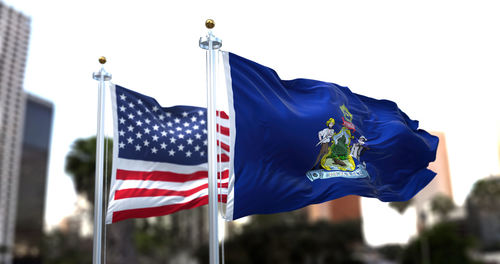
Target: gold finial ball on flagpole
(102, 60)
(210, 23)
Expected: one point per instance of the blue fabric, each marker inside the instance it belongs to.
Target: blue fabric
(147, 131)
(276, 145)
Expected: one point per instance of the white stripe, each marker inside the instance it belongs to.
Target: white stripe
(224, 138)
(178, 186)
(223, 122)
(232, 128)
(148, 202)
(141, 165)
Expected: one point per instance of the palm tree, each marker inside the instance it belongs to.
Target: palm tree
(442, 205)
(80, 165)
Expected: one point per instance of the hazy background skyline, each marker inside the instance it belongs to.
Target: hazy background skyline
(439, 60)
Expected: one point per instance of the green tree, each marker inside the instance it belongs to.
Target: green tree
(277, 239)
(442, 205)
(447, 243)
(486, 194)
(483, 212)
(401, 206)
(80, 165)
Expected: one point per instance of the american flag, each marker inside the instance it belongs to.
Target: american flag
(160, 157)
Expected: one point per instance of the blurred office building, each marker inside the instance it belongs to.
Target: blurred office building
(32, 180)
(342, 209)
(14, 37)
(439, 186)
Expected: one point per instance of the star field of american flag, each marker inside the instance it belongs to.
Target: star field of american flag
(146, 131)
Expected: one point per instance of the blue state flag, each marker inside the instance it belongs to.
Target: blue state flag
(300, 142)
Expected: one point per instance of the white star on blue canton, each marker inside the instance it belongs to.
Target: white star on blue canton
(163, 145)
(188, 154)
(123, 97)
(122, 145)
(171, 152)
(184, 114)
(146, 143)
(137, 147)
(155, 127)
(180, 147)
(154, 150)
(155, 138)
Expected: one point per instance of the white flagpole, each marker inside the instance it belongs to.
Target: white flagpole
(210, 43)
(100, 76)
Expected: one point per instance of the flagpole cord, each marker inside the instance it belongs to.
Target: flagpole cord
(210, 43)
(100, 76)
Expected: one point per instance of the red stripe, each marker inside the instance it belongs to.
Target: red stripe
(166, 175)
(159, 210)
(222, 158)
(142, 192)
(222, 115)
(225, 175)
(163, 210)
(222, 198)
(223, 130)
(223, 145)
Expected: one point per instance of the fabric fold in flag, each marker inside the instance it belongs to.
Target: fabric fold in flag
(160, 157)
(300, 142)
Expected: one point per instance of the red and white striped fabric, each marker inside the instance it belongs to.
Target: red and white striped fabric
(144, 188)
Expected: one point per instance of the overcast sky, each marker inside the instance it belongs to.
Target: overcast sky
(439, 60)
